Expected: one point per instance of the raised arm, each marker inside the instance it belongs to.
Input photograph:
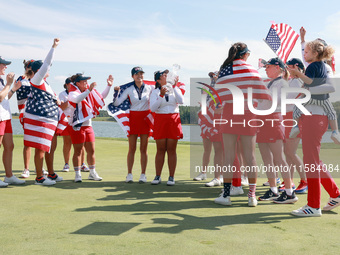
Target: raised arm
(179, 96)
(108, 87)
(40, 75)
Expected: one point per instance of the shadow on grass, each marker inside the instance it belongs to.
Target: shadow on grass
(189, 222)
(106, 228)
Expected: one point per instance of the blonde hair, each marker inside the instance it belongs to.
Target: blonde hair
(324, 52)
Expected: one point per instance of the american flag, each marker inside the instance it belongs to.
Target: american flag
(121, 113)
(87, 108)
(23, 92)
(206, 122)
(243, 76)
(40, 119)
(281, 39)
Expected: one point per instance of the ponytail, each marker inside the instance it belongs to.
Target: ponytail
(158, 85)
(324, 52)
(236, 51)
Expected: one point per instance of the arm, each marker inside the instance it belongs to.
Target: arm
(9, 81)
(156, 99)
(40, 75)
(108, 87)
(77, 98)
(295, 71)
(179, 96)
(302, 37)
(122, 97)
(322, 89)
(16, 86)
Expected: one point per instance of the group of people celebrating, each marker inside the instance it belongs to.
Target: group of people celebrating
(44, 116)
(234, 145)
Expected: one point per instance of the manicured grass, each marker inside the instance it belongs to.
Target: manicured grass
(112, 217)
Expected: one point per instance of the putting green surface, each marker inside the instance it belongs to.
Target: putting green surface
(114, 217)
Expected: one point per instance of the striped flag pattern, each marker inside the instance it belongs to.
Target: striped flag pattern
(243, 76)
(86, 109)
(281, 38)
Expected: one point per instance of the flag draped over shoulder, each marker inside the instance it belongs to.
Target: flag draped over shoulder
(243, 76)
(87, 108)
(281, 39)
(121, 113)
(206, 122)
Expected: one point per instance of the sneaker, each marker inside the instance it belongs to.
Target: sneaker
(244, 181)
(94, 176)
(282, 187)
(157, 180)
(14, 180)
(78, 178)
(332, 203)
(268, 196)
(294, 132)
(25, 173)
(286, 199)
(278, 182)
(335, 136)
(142, 178)
(66, 168)
(55, 177)
(307, 211)
(252, 202)
(302, 188)
(200, 177)
(44, 181)
(171, 181)
(3, 184)
(266, 183)
(235, 191)
(213, 182)
(129, 178)
(223, 200)
(84, 168)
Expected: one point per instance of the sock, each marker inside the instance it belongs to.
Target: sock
(77, 171)
(289, 191)
(92, 168)
(252, 189)
(226, 190)
(52, 175)
(274, 189)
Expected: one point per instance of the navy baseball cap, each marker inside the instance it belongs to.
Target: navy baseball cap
(158, 74)
(35, 66)
(276, 62)
(80, 77)
(136, 70)
(296, 61)
(2, 61)
(68, 80)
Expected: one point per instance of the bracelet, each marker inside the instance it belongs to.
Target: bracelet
(161, 95)
(12, 91)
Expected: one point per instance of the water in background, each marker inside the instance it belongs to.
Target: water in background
(112, 129)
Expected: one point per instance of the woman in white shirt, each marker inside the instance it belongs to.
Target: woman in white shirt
(138, 94)
(270, 137)
(63, 96)
(165, 101)
(6, 132)
(85, 101)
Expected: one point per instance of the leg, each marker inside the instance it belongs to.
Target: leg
(49, 157)
(90, 149)
(144, 139)
(171, 147)
(293, 160)
(229, 143)
(131, 152)
(207, 145)
(27, 156)
(7, 155)
(38, 161)
(218, 158)
(160, 155)
(76, 159)
(279, 161)
(268, 162)
(67, 148)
